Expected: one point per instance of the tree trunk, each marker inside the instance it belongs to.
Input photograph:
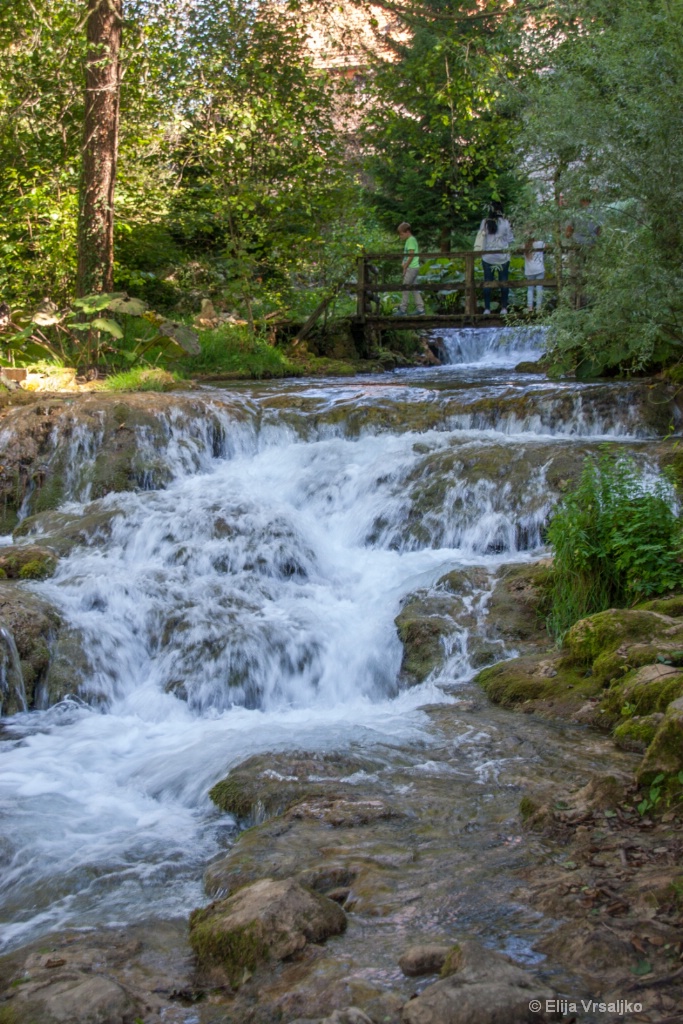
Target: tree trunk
(100, 146)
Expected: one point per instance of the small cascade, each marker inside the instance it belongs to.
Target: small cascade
(12, 689)
(493, 346)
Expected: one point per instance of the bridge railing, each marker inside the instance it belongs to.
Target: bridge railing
(456, 279)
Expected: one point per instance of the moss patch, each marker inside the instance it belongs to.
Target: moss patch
(603, 633)
(237, 951)
(535, 677)
(28, 562)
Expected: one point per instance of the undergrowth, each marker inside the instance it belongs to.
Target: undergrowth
(234, 352)
(616, 539)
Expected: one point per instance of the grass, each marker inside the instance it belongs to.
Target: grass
(232, 351)
(141, 378)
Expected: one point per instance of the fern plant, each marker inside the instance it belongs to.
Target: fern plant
(616, 539)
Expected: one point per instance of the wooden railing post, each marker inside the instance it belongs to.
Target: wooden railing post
(470, 290)
(360, 285)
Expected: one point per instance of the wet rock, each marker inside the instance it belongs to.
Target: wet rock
(27, 562)
(429, 617)
(529, 366)
(266, 920)
(352, 1015)
(98, 977)
(486, 989)
(87, 446)
(52, 655)
(344, 813)
(420, 960)
(78, 999)
(64, 531)
(266, 785)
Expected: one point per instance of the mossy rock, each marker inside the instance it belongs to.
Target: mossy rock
(517, 606)
(531, 678)
(267, 920)
(644, 691)
(64, 531)
(266, 785)
(672, 606)
(422, 638)
(664, 756)
(27, 562)
(603, 633)
(638, 732)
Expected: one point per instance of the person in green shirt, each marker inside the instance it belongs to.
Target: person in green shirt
(411, 268)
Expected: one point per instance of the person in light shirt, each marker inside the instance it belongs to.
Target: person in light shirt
(497, 235)
(534, 270)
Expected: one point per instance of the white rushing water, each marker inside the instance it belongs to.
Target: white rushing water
(248, 606)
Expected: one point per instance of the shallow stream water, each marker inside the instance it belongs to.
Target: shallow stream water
(250, 605)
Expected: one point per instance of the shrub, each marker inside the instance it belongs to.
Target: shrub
(616, 539)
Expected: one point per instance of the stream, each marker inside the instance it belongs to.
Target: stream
(249, 606)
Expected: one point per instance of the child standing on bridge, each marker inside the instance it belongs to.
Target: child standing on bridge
(411, 268)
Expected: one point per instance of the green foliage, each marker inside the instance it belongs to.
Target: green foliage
(606, 124)
(616, 538)
(80, 337)
(235, 352)
(661, 786)
(440, 140)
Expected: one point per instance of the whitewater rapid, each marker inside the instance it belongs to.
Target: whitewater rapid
(249, 606)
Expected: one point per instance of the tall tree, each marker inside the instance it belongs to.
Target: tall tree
(100, 147)
(439, 134)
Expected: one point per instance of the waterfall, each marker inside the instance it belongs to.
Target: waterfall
(245, 596)
(494, 346)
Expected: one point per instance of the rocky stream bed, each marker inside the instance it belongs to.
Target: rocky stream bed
(284, 738)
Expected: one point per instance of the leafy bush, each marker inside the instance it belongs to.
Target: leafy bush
(616, 538)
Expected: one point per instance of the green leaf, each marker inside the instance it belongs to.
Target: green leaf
(183, 336)
(133, 307)
(109, 326)
(96, 303)
(80, 327)
(641, 968)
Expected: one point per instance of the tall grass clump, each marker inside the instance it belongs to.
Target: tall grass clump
(617, 538)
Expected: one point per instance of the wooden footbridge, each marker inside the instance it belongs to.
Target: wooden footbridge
(452, 285)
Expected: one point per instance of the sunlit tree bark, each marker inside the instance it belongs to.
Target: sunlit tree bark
(100, 145)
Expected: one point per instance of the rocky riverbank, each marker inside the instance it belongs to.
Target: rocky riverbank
(352, 893)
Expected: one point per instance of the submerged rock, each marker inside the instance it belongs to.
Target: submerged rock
(266, 920)
(484, 988)
(427, 959)
(267, 785)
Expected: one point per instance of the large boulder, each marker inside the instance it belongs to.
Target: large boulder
(485, 988)
(268, 920)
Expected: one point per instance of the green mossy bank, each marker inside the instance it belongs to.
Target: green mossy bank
(620, 670)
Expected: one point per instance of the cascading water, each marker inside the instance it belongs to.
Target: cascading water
(250, 606)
